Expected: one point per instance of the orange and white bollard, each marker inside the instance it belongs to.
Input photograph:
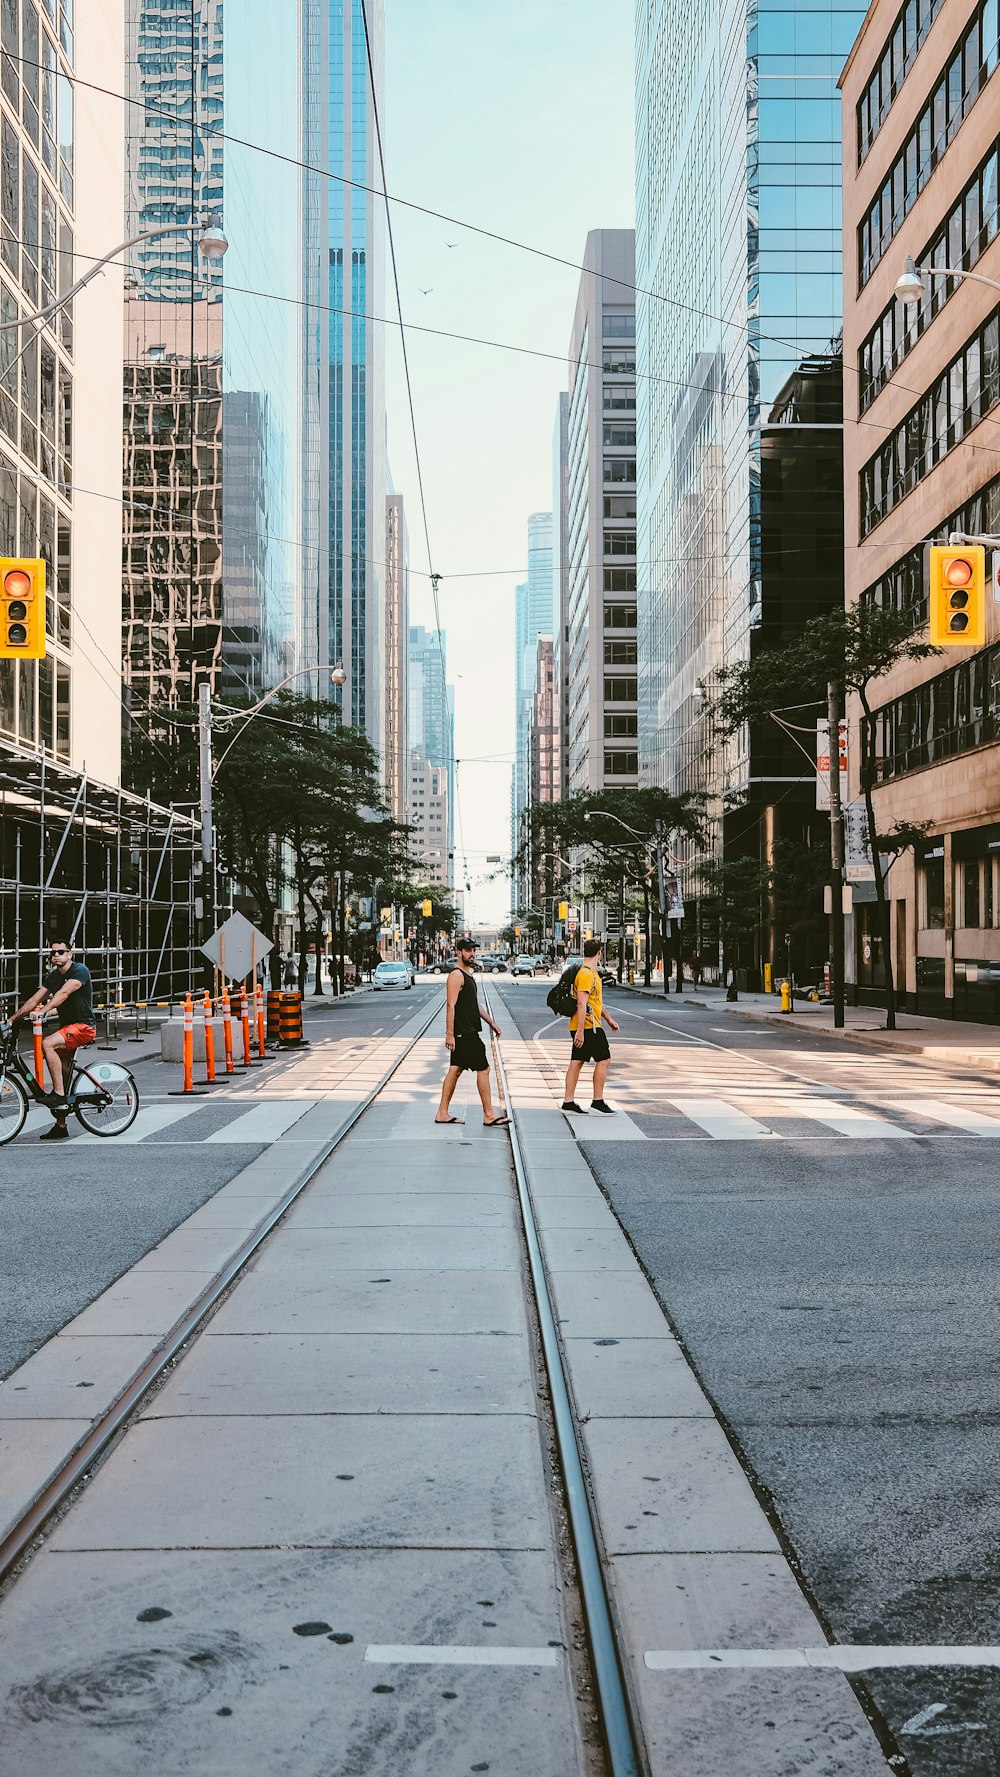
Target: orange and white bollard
(227, 1030)
(188, 1044)
(36, 1034)
(245, 1023)
(258, 996)
(209, 1038)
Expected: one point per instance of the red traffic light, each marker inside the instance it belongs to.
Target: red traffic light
(17, 584)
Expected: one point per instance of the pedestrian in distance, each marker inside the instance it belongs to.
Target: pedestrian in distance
(590, 1041)
(69, 990)
(465, 1046)
(291, 973)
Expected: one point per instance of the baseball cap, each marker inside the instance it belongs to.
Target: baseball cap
(465, 941)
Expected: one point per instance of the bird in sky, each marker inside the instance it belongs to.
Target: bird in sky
(424, 292)
(451, 243)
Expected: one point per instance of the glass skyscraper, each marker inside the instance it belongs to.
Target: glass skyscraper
(738, 263)
(534, 615)
(254, 404)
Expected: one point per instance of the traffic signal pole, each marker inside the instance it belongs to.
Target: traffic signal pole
(205, 797)
(835, 712)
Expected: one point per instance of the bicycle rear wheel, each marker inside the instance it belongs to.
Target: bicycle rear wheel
(105, 1098)
(13, 1108)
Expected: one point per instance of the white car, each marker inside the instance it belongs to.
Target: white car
(392, 975)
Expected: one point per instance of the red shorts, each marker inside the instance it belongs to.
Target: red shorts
(77, 1036)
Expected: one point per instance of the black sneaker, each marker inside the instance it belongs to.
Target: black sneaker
(598, 1104)
(58, 1132)
(570, 1104)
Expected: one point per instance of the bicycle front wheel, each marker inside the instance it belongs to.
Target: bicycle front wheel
(105, 1098)
(13, 1108)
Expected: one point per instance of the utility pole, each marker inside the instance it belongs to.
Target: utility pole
(661, 886)
(835, 710)
(207, 831)
(621, 932)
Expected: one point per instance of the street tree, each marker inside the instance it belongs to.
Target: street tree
(850, 650)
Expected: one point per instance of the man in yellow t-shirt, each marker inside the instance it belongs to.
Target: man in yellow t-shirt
(590, 1042)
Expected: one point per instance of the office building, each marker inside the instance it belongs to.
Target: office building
(431, 725)
(254, 398)
(396, 629)
(430, 817)
(738, 388)
(74, 849)
(560, 573)
(533, 616)
(599, 522)
(921, 97)
(544, 780)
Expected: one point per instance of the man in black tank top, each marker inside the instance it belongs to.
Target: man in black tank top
(463, 1042)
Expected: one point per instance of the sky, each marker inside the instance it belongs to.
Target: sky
(516, 118)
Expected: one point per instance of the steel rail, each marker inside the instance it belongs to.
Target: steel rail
(17, 1541)
(619, 1716)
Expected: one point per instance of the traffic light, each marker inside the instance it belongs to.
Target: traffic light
(428, 909)
(564, 910)
(22, 609)
(957, 595)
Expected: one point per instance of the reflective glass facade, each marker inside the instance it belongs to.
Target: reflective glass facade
(738, 239)
(254, 394)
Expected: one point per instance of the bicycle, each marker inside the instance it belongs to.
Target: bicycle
(103, 1094)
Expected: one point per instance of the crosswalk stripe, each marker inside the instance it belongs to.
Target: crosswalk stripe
(847, 1120)
(958, 1116)
(720, 1120)
(266, 1122)
(149, 1122)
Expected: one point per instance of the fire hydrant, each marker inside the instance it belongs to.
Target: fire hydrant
(786, 996)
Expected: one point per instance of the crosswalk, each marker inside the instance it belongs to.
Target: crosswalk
(785, 1117)
(214, 1122)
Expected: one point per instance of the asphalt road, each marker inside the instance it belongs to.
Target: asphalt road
(836, 1290)
(76, 1214)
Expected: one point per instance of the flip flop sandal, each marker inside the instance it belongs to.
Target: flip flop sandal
(496, 1123)
(441, 1121)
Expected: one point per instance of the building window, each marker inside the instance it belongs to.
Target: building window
(619, 579)
(618, 324)
(620, 654)
(971, 897)
(909, 31)
(619, 437)
(619, 690)
(951, 714)
(932, 888)
(623, 727)
(961, 240)
(619, 506)
(619, 469)
(960, 397)
(621, 764)
(619, 361)
(619, 616)
(619, 542)
(972, 61)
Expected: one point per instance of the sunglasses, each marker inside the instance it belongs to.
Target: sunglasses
(59, 950)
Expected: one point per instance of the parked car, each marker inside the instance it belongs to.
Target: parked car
(491, 965)
(523, 965)
(392, 975)
(445, 966)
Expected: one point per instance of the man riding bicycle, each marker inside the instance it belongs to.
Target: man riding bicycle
(68, 989)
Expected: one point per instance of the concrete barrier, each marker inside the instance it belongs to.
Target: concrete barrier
(172, 1039)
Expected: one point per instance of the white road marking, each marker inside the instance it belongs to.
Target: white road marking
(149, 1121)
(846, 1119)
(920, 1723)
(378, 1033)
(969, 1121)
(846, 1657)
(461, 1656)
(266, 1122)
(720, 1120)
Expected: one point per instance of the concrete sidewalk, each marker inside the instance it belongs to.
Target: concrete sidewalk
(945, 1041)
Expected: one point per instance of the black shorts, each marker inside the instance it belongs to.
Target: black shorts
(595, 1047)
(469, 1053)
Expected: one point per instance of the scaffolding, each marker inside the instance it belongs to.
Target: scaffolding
(112, 870)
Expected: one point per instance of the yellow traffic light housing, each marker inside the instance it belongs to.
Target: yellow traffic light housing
(957, 595)
(22, 608)
(428, 907)
(564, 910)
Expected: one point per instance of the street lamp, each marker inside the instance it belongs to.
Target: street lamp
(211, 240)
(910, 286)
(606, 815)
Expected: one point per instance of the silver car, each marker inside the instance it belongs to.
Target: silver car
(392, 975)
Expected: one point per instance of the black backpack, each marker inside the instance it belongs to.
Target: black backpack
(561, 999)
